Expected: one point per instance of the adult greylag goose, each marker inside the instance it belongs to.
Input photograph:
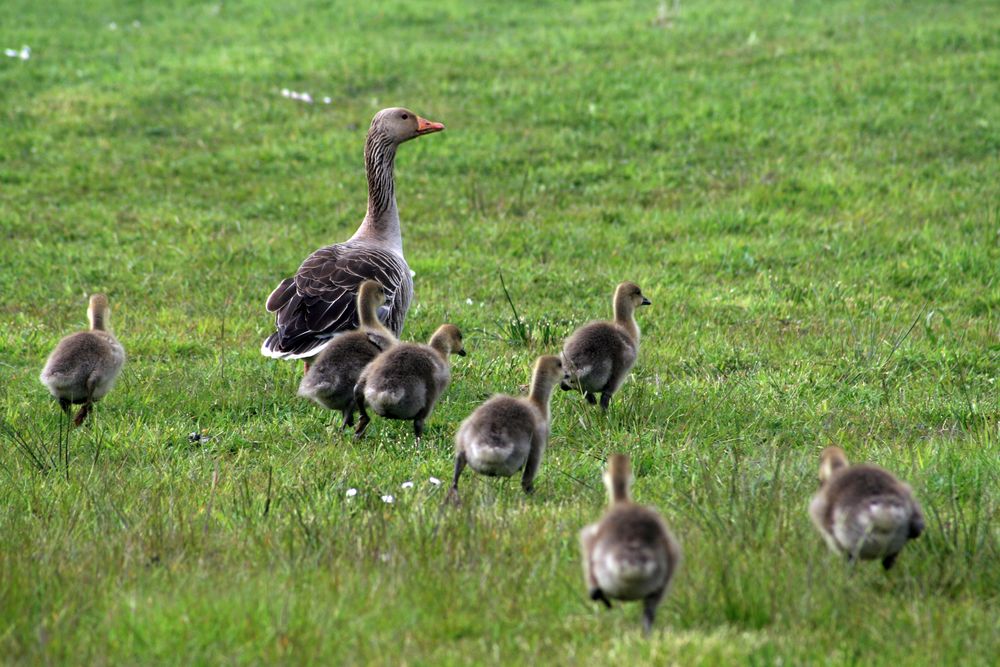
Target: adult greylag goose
(508, 433)
(330, 380)
(406, 381)
(83, 367)
(318, 302)
(863, 511)
(629, 554)
(600, 354)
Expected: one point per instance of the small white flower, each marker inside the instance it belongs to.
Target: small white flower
(285, 92)
(407, 485)
(294, 95)
(435, 481)
(307, 98)
(469, 302)
(10, 53)
(412, 273)
(112, 26)
(352, 492)
(25, 52)
(388, 499)
(136, 24)
(327, 100)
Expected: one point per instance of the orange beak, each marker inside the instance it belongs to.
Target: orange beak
(425, 126)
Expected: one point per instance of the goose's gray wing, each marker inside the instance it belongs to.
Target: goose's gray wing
(320, 300)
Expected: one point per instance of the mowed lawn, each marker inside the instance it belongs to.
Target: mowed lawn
(809, 193)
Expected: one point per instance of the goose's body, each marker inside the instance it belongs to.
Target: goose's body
(629, 554)
(600, 354)
(506, 433)
(862, 511)
(319, 301)
(330, 380)
(84, 366)
(405, 382)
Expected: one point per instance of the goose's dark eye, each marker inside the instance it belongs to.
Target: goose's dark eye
(405, 116)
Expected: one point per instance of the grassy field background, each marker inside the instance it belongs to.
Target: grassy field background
(809, 192)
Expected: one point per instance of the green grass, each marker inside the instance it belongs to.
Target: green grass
(809, 192)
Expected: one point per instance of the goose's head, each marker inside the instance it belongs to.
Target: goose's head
(831, 460)
(448, 339)
(631, 294)
(399, 124)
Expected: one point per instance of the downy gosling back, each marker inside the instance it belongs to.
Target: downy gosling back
(84, 366)
(862, 510)
(331, 378)
(630, 553)
(600, 354)
(506, 434)
(406, 381)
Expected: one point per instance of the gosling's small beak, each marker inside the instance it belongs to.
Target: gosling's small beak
(425, 126)
(645, 302)
(461, 353)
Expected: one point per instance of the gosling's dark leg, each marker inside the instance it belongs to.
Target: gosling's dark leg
(649, 606)
(605, 400)
(348, 416)
(889, 561)
(82, 414)
(459, 466)
(598, 595)
(359, 400)
(65, 405)
(590, 397)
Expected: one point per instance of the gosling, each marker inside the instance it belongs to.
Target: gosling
(630, 553)
(406, 381)
(863, 511)
(84, 366)
(331, 378)
(506, 434)
(600, 354)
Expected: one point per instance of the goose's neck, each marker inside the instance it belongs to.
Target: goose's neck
(541, 392)
(381, 223)
(625, 316)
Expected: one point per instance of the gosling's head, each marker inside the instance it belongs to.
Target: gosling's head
(399, 125)
(831, 460)
(550, 369)
(618, 477)
(448, 339)
(98, 311)
(371, 296)
(629, 293)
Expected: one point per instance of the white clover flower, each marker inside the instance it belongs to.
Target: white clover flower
(10, 53)
(285, 92)
(388, 499)
(307, 98)
(352, 492)
(435, 481)
(469, 302)
(136, 24)
(112, 26)
(327, 100)
(407, 485)
(25, 52)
